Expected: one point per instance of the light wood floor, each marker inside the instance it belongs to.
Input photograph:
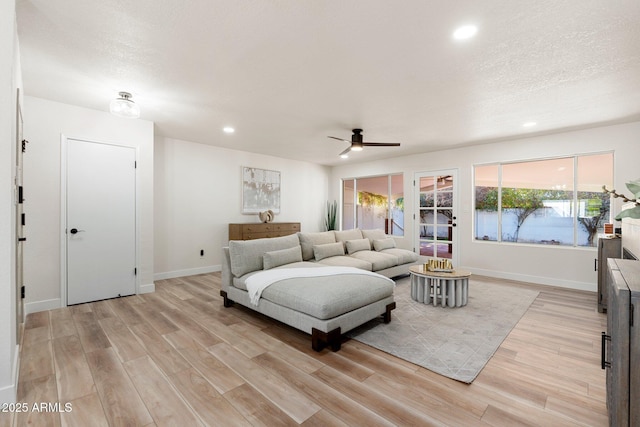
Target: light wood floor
(178, 357)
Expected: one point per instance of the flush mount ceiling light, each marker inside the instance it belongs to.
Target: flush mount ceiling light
(465, 32)
(124, 107)
(228, 129)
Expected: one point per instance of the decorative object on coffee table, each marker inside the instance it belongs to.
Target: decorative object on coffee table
(447, 288)
(439, 265)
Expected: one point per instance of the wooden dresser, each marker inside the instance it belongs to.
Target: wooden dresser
(621, 357)
(260, 230)
(607, 248)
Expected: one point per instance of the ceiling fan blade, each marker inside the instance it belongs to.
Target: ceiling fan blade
(339, 139)
(345, 152)
(381, 144)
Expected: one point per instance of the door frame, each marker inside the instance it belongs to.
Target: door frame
(19, 214)
(455, 240)
(63, 211)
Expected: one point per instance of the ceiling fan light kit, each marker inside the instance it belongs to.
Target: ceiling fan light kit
(357, 144)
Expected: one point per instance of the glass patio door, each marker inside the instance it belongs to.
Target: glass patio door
(436, 195)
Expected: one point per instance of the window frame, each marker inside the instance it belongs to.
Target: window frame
(575, 200)
(354, 212)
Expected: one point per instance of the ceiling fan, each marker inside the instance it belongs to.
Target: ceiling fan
(357, 143)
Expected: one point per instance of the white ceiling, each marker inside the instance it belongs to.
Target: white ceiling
(286, 74)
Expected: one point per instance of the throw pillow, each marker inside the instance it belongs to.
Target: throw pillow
(284, 256)
(382, 244)
(307, 240)
(328, 250)
(247, 255)
(357, 245)
(344, 235)
(375, 234)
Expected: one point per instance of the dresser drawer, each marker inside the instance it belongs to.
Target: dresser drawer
(262, 230)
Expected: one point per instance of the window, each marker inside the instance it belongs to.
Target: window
(554, 202)
(374, 202)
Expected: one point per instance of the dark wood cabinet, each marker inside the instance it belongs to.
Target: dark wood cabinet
(621, 343)
(261, 230)
(607, 248)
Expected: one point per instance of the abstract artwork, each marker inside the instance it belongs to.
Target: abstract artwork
(260, 190)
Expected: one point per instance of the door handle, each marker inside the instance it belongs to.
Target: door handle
(75, 230)
(603, 351)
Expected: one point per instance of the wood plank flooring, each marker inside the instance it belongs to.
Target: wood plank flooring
(178, 357)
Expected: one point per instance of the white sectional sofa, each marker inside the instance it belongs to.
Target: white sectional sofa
(369, 250)
(331, 281)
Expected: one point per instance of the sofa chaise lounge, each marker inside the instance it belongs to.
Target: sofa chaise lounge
(324, 284)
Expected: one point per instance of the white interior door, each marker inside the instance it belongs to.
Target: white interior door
(436, 196)
(101, 225)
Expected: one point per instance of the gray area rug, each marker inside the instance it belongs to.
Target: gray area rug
(454, 342)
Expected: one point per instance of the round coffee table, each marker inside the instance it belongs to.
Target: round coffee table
(440, 287)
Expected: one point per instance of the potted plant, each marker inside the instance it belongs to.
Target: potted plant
(330, 220)
(634, 212)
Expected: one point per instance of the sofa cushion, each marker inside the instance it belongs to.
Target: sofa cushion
(283, 256)
(404, 256)
(327, 250)
(307, 240)
(354, 246)
(381, 244)
(330, 296)
(378, 260)
(347, 261)
(246, 255)
(344, 235)
(375, 234)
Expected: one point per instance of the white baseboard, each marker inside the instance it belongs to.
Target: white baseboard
(36, 306)
(539, 280)
(51, 304)
(9, 394)
(147, 288)
(187, 272)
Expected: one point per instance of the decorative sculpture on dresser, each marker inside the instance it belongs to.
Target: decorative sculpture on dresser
(266, 216)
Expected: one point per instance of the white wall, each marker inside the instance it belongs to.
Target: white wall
(198, 193)
(10, 80)
(560, 266)
(45, 122)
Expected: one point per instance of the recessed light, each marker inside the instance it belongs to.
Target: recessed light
(529, 124)
(344, 156)
(228, 129)
(465, 32)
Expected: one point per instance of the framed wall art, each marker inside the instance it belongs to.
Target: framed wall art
(260, 190)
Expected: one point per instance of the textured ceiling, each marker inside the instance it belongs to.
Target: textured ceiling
(286, 74)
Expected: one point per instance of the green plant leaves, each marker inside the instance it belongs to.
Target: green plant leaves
(330, 220)
(634, 187)
(634, 212)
